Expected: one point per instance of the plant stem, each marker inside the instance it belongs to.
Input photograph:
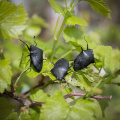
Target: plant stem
(71, 3)
(98, 97)
(115, 83)
(24, 101)
(61, 28)
(58, 35)
(66, 3)
(56, 25)
(19, 78)
(75, 4)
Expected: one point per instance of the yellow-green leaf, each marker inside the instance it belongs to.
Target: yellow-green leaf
(100, 7)
(5, 74)
(73, 20)
(12, 19)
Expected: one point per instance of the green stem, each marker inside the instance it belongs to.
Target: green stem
(58, 35)
(71, 3)
(19, 78)
(56, 25)
(61, 28)
(53, 50)
(75, 5)
(66, 3)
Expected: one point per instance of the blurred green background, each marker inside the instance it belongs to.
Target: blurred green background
(41, 23)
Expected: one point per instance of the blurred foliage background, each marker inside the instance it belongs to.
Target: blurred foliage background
(41, 24)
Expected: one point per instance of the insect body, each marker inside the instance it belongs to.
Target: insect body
(60, 69)
(36, 56)
(85, 58)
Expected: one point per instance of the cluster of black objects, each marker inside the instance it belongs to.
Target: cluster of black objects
(60, 69)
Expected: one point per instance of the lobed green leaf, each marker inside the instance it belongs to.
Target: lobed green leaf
(38, 95)
(5, 108)
(34, 112)
(107, 56)
(57, 7)
(13, 116)
(24, 115)
(73, 20)
(83, 107)
(73, 34)
(56, 108)
(12, 19)
(100, 7)
(5, 74)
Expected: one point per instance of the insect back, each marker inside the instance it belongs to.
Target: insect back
(32, 56)
(85, 58)
(60, 69)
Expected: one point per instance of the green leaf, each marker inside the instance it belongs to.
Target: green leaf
(73, 20)
(73, 34)
(5, 108)
(38, 95)
(75, 82)
(77, 38)
(84, 109)
(34, 112)
(24, 115)
(5, 74)
(56, 108)
(107, 56)
(85, 84)
(100, 7)
(13, 116)
(25, 59)
(57, 7)
(12, 19)
(46, 69)
(115, 60)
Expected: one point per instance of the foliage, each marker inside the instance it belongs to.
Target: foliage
(12, 20)
(5, 74)
(87, 80)
(100, 7)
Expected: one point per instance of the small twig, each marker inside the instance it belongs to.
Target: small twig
(21, 99)
(115, 83)
(98, 97)
(28, 102)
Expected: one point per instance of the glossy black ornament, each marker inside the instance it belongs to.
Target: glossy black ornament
(60, 69)
(85, 58)
(36, 56)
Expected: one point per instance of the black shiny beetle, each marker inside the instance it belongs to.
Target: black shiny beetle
(60, 69)
(36, 56)
(85, 58)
